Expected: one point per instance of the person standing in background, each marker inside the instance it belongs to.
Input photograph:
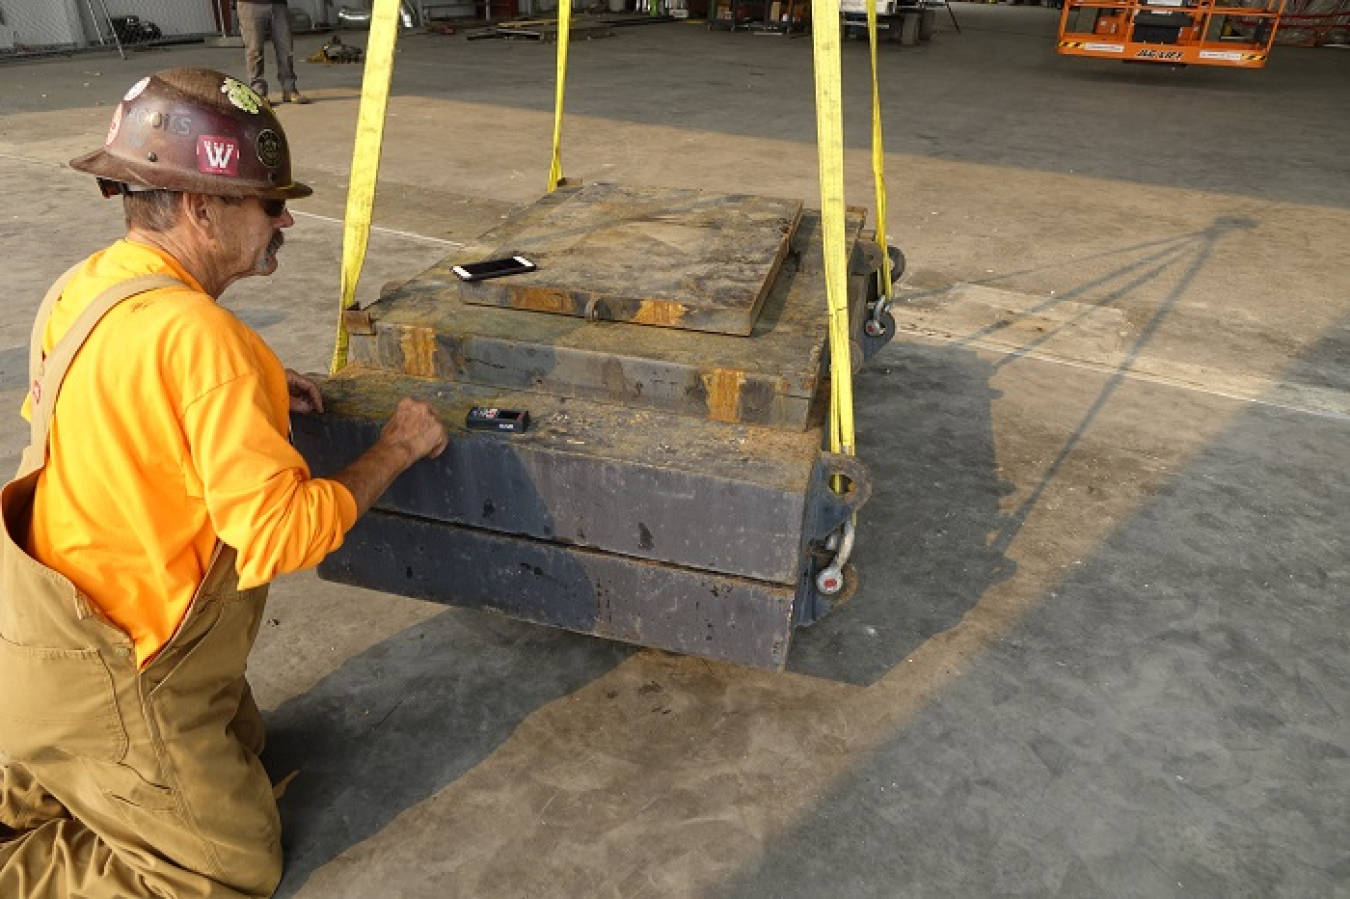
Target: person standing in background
(259, 21)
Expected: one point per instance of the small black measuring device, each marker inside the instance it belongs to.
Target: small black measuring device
(482, 418)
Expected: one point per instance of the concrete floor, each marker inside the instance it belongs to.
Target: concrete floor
(1101, 646)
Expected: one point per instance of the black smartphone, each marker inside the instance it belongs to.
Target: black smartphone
(493, 268)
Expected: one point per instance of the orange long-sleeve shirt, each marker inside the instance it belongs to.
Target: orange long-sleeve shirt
(170, 431)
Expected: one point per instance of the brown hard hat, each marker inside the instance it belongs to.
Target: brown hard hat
(199, 131)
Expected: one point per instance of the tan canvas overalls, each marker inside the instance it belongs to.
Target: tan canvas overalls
(124, 783)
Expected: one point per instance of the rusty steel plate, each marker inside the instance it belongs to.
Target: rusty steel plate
(773, 377)
(683, 259)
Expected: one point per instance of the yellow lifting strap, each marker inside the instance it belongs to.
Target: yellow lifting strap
(365, 161)
(555, 172)
(830, 153)
(878, 157)
(830, 150)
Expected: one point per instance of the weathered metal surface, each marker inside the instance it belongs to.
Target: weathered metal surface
(357, 321)
(734, 499)
(672, 491)
(653, 256)
(773, 377)
(615, 597)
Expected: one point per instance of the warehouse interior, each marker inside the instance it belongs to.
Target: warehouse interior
(1100, 642)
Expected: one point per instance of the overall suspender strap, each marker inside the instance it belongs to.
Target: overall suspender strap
(40, 323)
(46, 374)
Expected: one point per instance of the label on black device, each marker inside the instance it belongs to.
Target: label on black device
(481, 418)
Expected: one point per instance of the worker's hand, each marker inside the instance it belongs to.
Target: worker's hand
(305, 395)
(415, 426)
(413, 432)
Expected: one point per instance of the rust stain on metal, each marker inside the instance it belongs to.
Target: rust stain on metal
(535, 299)
(723, 387)
(358, 322)
(419, 351)
(658, 313)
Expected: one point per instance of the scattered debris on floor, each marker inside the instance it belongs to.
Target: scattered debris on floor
(334, 52)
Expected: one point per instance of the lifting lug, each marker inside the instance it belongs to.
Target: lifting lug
(830, 580)
(875, 327)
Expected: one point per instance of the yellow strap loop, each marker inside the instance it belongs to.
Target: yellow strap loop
(555, 172)
(365, 161)
(830, 152)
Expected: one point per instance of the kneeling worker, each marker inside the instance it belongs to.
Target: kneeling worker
(156, 501)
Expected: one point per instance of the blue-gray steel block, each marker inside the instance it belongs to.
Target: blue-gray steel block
(732, 499)
(662, 606)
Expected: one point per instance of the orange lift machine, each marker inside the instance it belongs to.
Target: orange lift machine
(1176, 32)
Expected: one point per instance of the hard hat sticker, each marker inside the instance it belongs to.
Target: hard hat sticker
(135, 90)
(116, 124)
(269, 148)
(217, 155)
(241, 95)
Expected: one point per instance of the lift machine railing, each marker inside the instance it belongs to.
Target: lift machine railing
(1176, 32)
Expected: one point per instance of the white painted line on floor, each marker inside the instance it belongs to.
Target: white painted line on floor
(394, 231)
(1127, 373)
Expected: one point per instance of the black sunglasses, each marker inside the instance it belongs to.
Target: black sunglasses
(274, 208)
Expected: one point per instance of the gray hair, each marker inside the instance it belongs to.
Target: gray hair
(156, 210)
(151, 210)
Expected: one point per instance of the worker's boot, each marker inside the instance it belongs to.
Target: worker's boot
(294, 97)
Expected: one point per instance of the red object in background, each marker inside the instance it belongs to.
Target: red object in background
(224, 17)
